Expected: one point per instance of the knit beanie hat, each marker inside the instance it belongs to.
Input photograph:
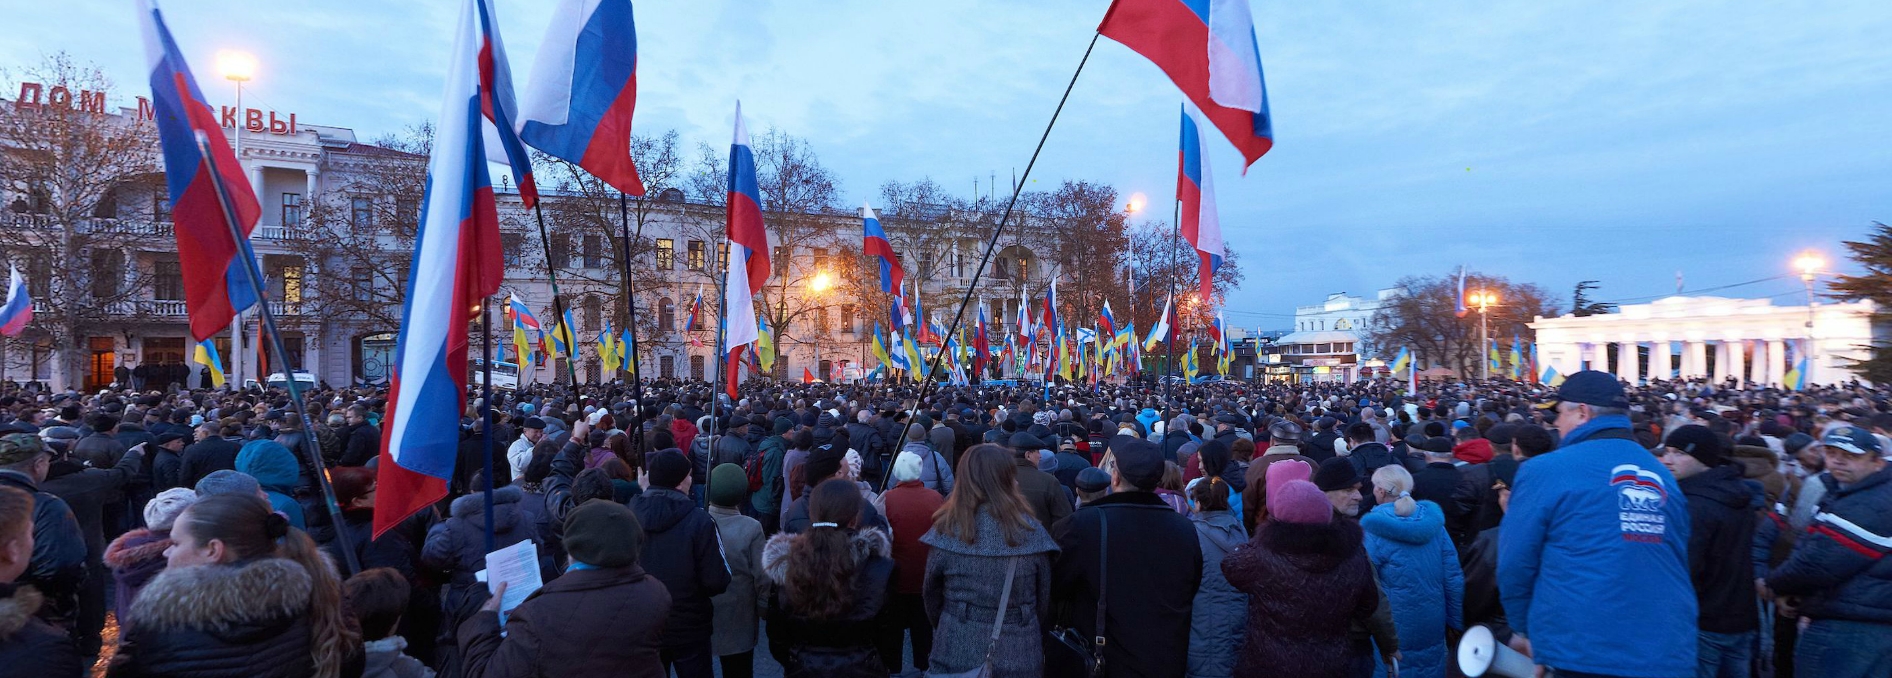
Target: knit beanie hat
(1300, 502)
(1697, 441)
(226, 481)
(603, 534)
(782, 425)
(1284, 471)
(906, 467)
(162, 510)
(668, 468)
(728, 485)
(822, 463)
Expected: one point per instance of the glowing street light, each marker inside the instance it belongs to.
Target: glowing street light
(1809, 263)
(1484, 300)
(236, 65)
(820, 283)
(1136, 204)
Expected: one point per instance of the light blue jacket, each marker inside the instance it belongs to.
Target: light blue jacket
(1418, 569)
(1593, 558)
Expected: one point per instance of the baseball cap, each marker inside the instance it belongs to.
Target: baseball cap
(18, 447)
(1591, 387)
(1852, 440)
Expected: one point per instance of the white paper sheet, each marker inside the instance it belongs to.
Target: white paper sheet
(516, 566)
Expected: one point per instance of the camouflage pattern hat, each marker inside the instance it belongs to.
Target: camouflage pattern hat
(19, 447)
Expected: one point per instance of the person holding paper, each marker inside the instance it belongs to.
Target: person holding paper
(604, 617)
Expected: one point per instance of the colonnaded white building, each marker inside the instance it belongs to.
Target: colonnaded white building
(1692, 337)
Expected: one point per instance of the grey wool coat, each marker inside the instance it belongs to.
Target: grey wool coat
(963, 585)
(739, 606)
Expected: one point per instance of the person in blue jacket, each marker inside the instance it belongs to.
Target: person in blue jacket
(1593, 558)
(1839, 576)
(1418, 568)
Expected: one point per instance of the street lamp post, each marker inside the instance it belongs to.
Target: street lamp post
(1809, 263)
(239, 67)
(1484, 300)
(817, 286)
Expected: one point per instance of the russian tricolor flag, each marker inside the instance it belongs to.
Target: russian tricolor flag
(1195, 189)
(456, 265)
(874, 241)
(18, 310)
(1208, 48)
(215, 284)
(748, 266)
(584, 88)
(500, 130)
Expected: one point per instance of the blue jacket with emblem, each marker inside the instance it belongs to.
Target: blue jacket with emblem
(1597, 533)
(1842, 566)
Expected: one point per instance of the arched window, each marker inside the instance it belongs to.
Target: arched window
(666, 315)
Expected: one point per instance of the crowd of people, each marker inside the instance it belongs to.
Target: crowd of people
(1229, 529)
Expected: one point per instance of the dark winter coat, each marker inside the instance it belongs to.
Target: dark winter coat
(243, 620)
(88, 492)
(98, 449)
(681, 550)
(1722, 512)
(1482, 605)
(963, 585)
(457, 546)
(1839, 567)
(1306, 585)
(28, 645)
(865, 440)
(774, 483)
(205, 456)
(1155, 570)
(166, 469)
(1215, 624)
(1042, 492)
(832, 648)
(135, 557)
(59, 553)
(795, 519)
(588, 622)
(1419, 570)
(363, 443)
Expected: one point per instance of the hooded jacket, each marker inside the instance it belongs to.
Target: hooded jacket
(135, 557)
(1474, 451)
(1722, 512)
(275, 468)
(458, 546)
(588, 622)
(28, 644)
(1598, 533)
(682, 550)
(1306, 584)
(1215, 623)
(963, 585)
(247, 619)
(832, 648)
(1840, 566)
(1419, 570)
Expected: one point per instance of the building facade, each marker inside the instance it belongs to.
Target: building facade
(1751, 340)
(1328, 343)
(335, 236)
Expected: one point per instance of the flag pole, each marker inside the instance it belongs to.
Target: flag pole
(486, 409)
(722, 323)
(630, 300)
(1169, 359)
(991, 244)
(558, 305)
(275, 340)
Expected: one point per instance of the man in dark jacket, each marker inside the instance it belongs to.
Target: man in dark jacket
(1439, 478)
(1722, 510)
(363, 439)
(58, 563)
(865, 438)
(90, 493)
(28, 646)
(682, 551)
(767, 502)
(215, 450)
(168, 461)
(1840, 575)
(100, 448)
(1041, 490)
(1155, 567)
(1366, 456)
(824, 462)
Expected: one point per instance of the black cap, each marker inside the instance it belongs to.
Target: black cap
(668, 468)
(1501, 434)
(823, 462)
(1697, 441)
(1591, 387)
(534, 422)
(1852, 440)
(1025, 442)
(170, 437)
(1285, 431)
(1336, 473)
(1140, 462)
(1092, 479)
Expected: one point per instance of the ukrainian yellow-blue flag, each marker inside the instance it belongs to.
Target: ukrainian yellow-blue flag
(764, 345)
(1189, 362)
(1403, 361)
(915, 362)
(880, 347)
(206, 355)
(608, 350)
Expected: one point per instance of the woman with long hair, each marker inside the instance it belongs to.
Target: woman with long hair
(244, 594)
(1419, 569)
(832, 585)
(984, 536)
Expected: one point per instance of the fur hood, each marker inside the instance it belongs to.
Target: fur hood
(867, 543)
(17, 609)
(211, 596)
(136, 547)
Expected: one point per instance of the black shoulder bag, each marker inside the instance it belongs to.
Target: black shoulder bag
(1067, 652)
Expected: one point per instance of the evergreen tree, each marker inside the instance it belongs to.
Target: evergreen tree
(1874, 255)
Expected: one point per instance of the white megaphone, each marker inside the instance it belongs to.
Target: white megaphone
(1480, 654)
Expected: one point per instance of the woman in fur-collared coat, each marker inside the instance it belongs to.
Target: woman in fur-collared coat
(832, 584)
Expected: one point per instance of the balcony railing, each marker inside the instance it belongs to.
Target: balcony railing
(178, 309)
(143, 227)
